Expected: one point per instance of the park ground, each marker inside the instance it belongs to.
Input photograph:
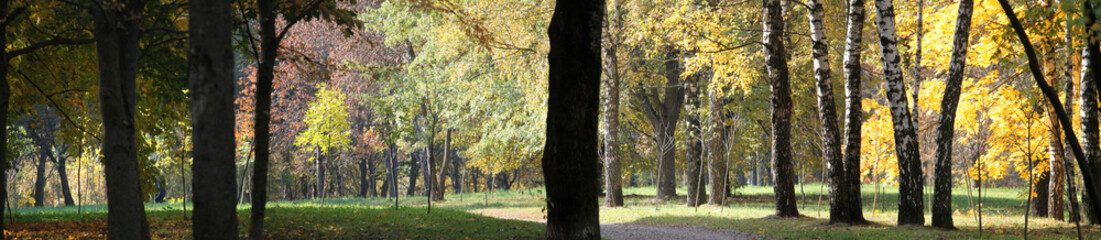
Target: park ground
(517, 214)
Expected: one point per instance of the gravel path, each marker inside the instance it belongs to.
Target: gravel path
(633, 231)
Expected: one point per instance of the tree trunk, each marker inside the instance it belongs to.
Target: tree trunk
(613, 174)
(716, 158)
(694, 152)
(414, 170)
(211, 69)
(319, 188)
(827, 114)
(1039, 203)
(117, 32)
(364, 185)
(942, 179)
(1055, 167)
(261, 125)
(1088, 114)
(63, 175)
(776, 64)
(663, 116)
(910, 204)
(1088, 177)
(570, 163)
(852, 69)
(441, 175)
(40, 176)
(1068, 93)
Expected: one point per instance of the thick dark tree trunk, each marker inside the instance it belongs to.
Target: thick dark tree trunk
(210, 69)
(942, 179)
(571, 166)
(117, 32)
(414, 171)
(613, 174)
(40, 177)
(694, 149)
(716, 154)
(63, 176)
(777, 65)
(852, 69)
(1039, 203)
(827, 115)
(363, 184)
(261, 126)
(1094, 58)
(910, 204)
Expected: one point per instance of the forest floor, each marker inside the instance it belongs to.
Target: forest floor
(516, 215)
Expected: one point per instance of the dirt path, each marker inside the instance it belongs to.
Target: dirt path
(634, 231)
(618, 231)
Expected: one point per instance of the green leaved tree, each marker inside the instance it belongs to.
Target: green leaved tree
(328, 130)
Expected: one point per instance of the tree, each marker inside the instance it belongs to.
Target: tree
(328, 130)
(776, 64)
(942, 183)
(694, 141)
(853, 110)
(570, 162)
(827, 114)
(211, 86)
(613, 173)
(663, 115)
(910, 210)
(294, 11)
(117, 36)
(1094, 58)
(716, 153)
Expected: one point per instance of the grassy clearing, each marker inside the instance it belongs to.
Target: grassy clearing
(461, 216)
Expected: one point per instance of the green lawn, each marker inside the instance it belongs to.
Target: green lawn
(465, 215)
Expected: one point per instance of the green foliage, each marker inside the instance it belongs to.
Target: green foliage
(327, 120)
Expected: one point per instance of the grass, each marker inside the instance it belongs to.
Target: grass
(467, 216)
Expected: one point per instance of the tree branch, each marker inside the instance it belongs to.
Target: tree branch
(52, 42)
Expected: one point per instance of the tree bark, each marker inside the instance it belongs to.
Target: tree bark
(261, 126)
(853, 123)
(40, 176)
(910, 204)
(1039, 203)
(1088, 117)
(211, 70)
(1068, 92)
(716, 154)
(441, 175)
(827, 114)
(942, 179)
(694, 152)
(776, 64)
(364, 185)
(1055, 167)
(319, 187)
(613, 175)
(571, 166)
(118, 31)
(414, 170)
(60, 162)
